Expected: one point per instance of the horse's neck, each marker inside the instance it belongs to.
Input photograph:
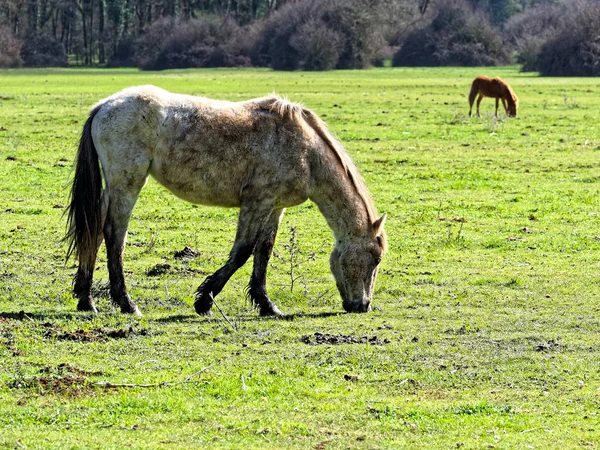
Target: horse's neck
(339, 202)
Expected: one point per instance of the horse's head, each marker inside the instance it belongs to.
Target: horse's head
(512, 108)
(354, 264)
(511, 100)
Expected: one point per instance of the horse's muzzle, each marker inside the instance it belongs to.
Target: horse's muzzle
(358, 307)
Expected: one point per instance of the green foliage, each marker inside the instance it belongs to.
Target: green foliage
(486, 319)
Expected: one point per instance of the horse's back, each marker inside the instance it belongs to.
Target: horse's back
(205, 151)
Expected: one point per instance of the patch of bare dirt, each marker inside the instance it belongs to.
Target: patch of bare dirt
(186, 253)
(64, 379)
(337, 339)
(97, 335)
(158, 269)
(21, 315)
(548, 346)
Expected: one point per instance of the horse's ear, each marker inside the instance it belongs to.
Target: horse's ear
(378, 225)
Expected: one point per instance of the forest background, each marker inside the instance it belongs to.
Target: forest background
(550, 36)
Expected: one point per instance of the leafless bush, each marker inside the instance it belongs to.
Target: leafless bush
(298, 34)
(10, 48)
(170, 43)
(528, 31)
(575, 51)
(43, 50)
(124, 54)
(317, 45)
(457, 36)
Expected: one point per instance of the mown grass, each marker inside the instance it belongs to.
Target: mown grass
(486, 320)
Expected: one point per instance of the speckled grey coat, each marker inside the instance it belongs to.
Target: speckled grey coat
(261, 155)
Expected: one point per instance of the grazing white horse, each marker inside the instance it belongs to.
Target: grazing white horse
(261, 156)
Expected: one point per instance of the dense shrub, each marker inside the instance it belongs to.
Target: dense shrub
(169, 44)
(10, 48)
(43, 50)
(456, 37)
(575, 51)
(317, 45)
(318, 35)
(124, 54)
(528, 31)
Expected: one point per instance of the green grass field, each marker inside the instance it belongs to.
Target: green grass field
(486, 321)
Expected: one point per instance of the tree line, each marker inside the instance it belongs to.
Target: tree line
(300, 34)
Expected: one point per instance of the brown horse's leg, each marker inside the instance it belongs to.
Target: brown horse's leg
(505, 105)
(472, 96)
(262, 253)
(497, 99)
(478, 103)
(250, 223)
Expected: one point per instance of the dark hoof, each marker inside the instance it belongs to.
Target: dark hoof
(127, 306)
(204, 302)
(202, 310)
(87, 305)
(132, 309)
(203, 306)
(270, 310)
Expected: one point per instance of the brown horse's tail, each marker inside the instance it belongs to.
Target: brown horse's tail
(84, 213)
(474, 91)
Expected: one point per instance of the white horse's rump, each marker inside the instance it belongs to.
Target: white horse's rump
(261, 155)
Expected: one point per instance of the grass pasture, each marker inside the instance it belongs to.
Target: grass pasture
(487, 307)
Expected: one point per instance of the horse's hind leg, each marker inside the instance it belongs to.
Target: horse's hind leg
(82, 288)
(478, 103)
(262, 253)
(497, 100)
(123, 187)
(250, 224)
(472, 96)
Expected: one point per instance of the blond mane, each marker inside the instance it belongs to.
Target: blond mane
(299, 113)
(511, 94)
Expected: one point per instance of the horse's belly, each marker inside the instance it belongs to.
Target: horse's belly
(199, 186)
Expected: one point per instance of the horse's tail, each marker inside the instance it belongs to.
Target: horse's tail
(474, 90)
(84, 213)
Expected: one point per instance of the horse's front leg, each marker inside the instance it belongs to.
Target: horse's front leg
(250, 223)
(257, 289)
(505, 104)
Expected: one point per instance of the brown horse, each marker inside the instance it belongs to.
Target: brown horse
(496, 88)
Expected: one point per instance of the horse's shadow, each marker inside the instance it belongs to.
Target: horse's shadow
(176, 318)
(42, 316)
(252, 317)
